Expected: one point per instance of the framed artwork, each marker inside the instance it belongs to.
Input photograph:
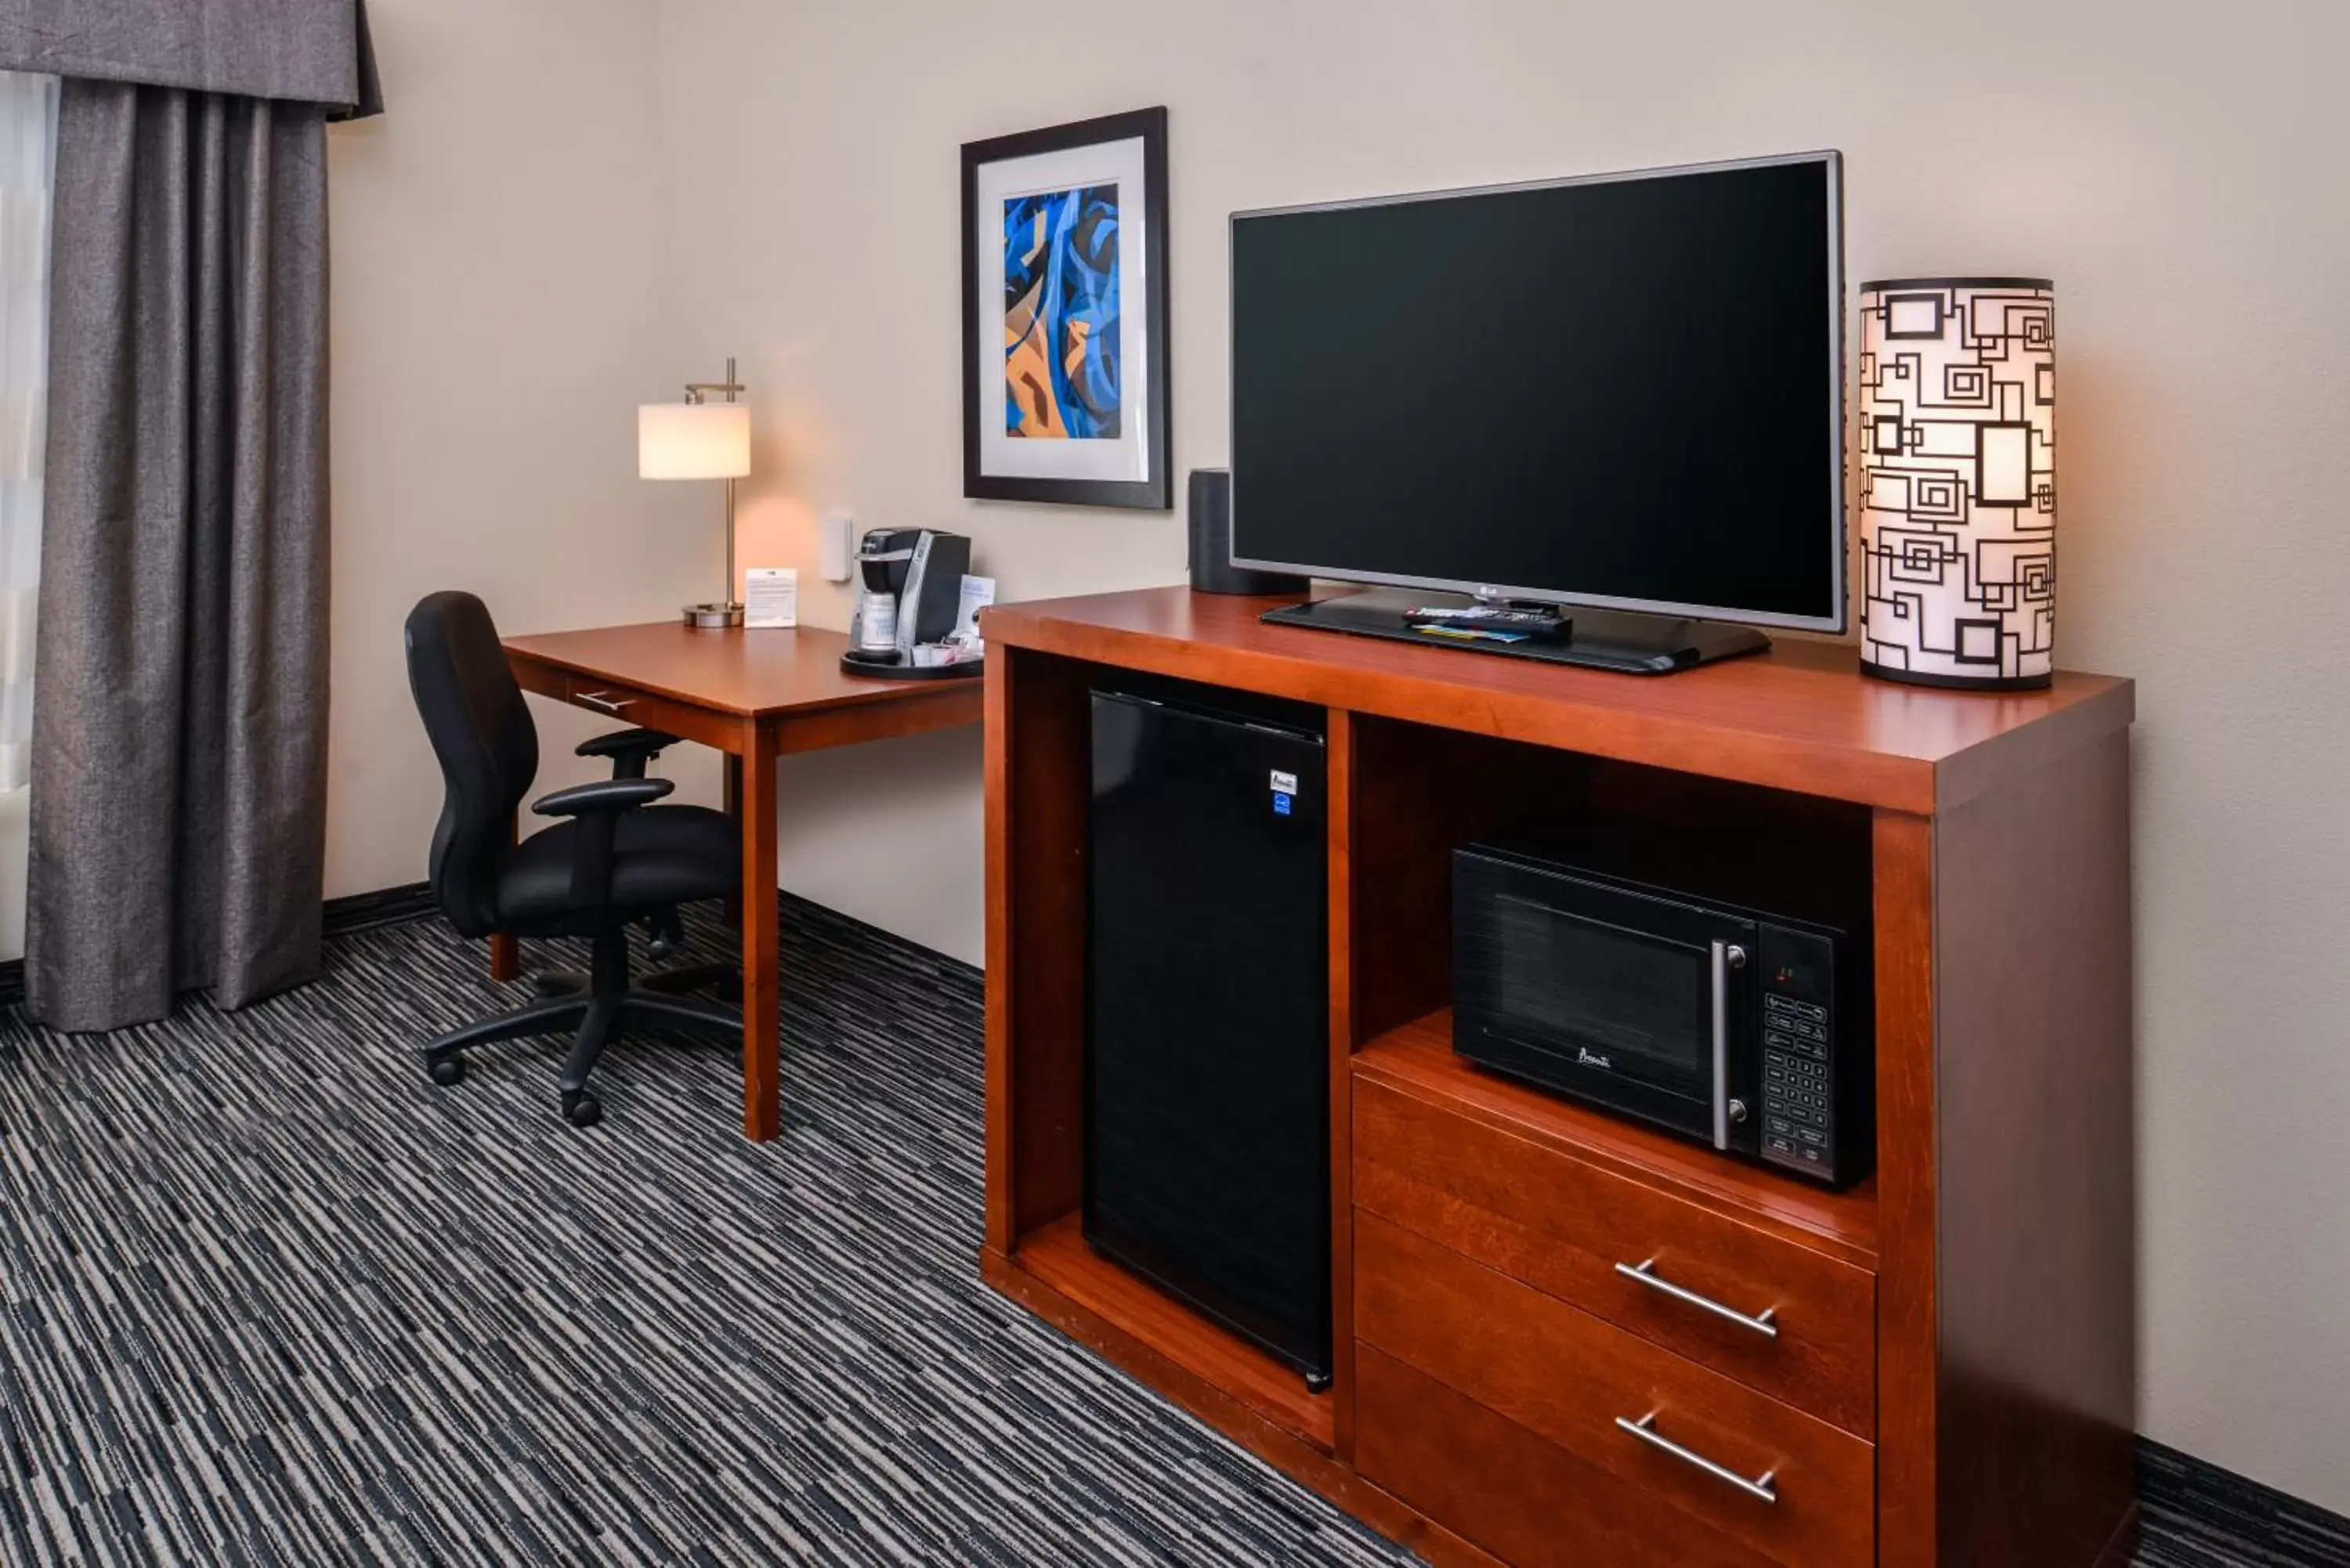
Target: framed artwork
(1065, 314)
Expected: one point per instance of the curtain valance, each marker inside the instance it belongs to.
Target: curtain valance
(311, 51)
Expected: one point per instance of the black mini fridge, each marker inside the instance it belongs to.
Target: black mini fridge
(1207, 1129)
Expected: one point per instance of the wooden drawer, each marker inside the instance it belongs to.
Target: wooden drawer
(644, 710)
(1525, 1500)
(1553, 1383)
(1564, 1227)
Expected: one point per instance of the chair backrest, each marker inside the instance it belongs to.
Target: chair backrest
(487, 746)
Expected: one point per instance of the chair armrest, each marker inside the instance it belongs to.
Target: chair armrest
(620, 743)
(629, 750)
(599, 807)
(620, 740)
(606, 797)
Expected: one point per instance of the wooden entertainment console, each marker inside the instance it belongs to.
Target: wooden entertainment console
(1951, 1380)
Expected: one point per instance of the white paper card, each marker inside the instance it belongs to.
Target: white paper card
(771, 597)
(978, 593)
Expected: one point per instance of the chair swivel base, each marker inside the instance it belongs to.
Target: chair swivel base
(593, 1008)
(724, 978)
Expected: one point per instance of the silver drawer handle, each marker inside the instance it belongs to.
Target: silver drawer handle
(1645, 1429)
(602, 703)
(1762, 1326)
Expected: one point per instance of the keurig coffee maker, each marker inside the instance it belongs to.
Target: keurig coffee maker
(909, 593)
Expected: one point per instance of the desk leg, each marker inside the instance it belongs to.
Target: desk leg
(762, 1000)
(505, 952)
(735, 811)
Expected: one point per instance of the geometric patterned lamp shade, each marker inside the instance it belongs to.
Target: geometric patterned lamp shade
(1958, 444)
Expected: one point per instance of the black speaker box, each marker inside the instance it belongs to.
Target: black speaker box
(1212, 571)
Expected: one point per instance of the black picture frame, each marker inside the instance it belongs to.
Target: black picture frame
(1156, 492)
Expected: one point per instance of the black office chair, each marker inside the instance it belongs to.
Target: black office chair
(618, 858)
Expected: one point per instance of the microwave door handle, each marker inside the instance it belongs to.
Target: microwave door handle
(1727, 956)
(1721, 1045)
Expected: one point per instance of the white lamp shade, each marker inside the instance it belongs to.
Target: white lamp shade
(1957, 459)
(693, 440)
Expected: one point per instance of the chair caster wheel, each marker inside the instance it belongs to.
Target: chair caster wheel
(448, 1072)
(582, 1109)
(664, 934)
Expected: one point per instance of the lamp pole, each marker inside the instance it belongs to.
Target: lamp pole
(697, 393)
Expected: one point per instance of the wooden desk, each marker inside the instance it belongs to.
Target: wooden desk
(755, 695)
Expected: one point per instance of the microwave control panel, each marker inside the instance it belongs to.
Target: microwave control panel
(1799, 1077)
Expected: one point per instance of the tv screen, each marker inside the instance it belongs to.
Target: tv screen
(1623, 391)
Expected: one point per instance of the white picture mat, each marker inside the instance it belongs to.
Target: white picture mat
(1127, 459)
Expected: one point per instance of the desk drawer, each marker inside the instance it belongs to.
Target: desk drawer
(626, 705)
(1528, 1391)
(1563, 1227)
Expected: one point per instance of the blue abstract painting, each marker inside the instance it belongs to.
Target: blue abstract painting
(1061, 316)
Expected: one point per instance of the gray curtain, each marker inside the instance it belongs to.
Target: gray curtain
(180, 731)
(310, 51)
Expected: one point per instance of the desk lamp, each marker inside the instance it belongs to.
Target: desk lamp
(698, 439)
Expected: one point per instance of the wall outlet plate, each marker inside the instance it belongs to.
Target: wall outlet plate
(836, 543)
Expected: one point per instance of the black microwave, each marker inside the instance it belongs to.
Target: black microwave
(1747, 1031)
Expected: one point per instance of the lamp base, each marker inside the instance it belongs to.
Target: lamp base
(1959, 682)
(714, 616)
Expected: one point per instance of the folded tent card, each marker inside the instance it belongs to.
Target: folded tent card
(771, 597)
(978, 593)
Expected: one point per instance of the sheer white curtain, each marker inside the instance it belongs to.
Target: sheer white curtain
(29, 116)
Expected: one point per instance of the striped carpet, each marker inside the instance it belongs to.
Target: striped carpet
(2201, 1517)
(266, 1296)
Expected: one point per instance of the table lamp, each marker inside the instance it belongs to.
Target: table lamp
(1957, 458)
(698, 439)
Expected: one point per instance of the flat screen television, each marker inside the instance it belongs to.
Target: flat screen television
(1621, 393)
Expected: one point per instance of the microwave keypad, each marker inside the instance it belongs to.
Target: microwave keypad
(1798, 1092)
(1798, 1096)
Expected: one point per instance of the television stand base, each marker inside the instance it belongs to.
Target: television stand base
(1621, 640)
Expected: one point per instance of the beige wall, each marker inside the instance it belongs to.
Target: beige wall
(505, 295)
(2178, 168)
(498, 306)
